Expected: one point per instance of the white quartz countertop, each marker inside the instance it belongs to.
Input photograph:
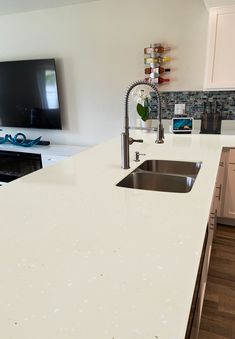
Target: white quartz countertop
(81, 258)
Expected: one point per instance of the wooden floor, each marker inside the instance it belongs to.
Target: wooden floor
(218, 316)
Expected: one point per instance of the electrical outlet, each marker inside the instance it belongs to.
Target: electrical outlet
(179, 109)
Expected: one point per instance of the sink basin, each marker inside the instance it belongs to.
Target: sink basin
(157, 182)
(173, 167)
(163, 175)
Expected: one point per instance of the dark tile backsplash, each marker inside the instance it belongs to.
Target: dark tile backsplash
(195, 103)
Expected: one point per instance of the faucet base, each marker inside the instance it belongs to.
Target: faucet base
(125, 150)
(160, 134)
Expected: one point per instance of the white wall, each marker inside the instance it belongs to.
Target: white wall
(99, 48)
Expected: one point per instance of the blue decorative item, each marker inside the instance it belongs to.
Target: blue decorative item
(19, 140)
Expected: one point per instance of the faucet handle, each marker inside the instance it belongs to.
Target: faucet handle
(131, 140)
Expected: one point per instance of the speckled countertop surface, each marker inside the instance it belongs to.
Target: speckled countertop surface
(83, 259)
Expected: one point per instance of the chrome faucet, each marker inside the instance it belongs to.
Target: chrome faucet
(126, 141)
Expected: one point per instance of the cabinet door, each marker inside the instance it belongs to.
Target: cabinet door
(229, 201)
(220, 70)
(220, 183)
(200, 288)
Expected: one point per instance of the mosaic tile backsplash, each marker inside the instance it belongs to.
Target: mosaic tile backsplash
(196, 102)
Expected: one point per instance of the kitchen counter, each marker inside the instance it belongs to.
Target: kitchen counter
(81, 258)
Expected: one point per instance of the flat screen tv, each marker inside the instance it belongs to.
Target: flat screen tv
(29, 94)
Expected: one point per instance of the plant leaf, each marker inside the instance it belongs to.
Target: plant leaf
(142, 111)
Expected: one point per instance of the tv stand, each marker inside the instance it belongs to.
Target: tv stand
(14, 165)
(45, 156)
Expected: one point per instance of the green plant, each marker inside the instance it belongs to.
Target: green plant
(143, 110)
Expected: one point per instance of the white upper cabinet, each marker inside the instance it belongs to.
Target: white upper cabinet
(220, 66)
(218, 3)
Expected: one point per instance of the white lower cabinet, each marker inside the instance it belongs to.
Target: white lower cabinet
(229, 196)
(225, 187)
(220, 184)
(200, 286)
(220, 204)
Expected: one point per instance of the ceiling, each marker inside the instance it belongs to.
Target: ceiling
(17, 6)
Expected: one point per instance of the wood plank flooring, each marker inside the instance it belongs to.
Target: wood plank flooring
(218, 315)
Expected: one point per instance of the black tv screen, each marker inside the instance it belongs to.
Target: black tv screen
(29, 94)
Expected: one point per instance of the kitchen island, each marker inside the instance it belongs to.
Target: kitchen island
(82, 258)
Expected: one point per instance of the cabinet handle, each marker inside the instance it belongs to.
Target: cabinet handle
(231, 163)
(219, 187)
(221, 164)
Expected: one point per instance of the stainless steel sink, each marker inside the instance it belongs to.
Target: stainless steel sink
(173, 167)
(163, 175)
(157, 182)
